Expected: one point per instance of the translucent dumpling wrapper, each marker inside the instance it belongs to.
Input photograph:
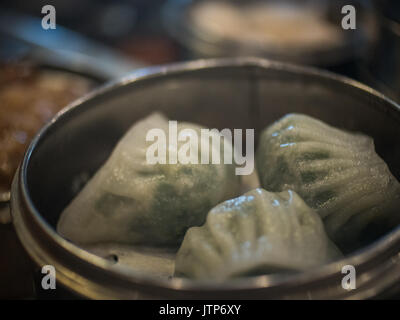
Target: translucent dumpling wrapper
(336, 172)
(131, 201)
(257, 233)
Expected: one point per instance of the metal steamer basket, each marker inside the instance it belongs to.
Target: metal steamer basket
(228, 93)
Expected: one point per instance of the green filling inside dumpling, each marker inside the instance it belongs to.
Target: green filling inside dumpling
(336, 172)
(132, 201)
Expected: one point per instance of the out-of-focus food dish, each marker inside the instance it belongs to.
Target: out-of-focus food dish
(277, 25)
(257, 233)
(287, 30)
(29, 97)
(132, 201)
(337, 173)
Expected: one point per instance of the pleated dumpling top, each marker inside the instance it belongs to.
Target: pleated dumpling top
(336, 172)
(257, 233)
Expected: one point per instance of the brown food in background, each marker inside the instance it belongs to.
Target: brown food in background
(29, 97)
(150, 49)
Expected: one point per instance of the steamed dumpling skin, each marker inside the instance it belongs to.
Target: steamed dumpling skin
(336, 172)
(131, 201)
(259, 232)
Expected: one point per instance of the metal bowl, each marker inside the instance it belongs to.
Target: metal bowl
(227, 93)
(65, 51)
(96, 79)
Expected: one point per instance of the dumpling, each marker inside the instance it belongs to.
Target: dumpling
(131, 201)
(336, 172)
(257, 233)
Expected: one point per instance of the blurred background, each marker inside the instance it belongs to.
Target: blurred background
(114, 35)
(142, 32)
(95, 41)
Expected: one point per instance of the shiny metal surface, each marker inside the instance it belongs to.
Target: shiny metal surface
(232, 93)
(63, 47)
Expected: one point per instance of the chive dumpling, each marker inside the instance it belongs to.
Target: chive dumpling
(257, 233)
(336, 172)
(131, 201)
